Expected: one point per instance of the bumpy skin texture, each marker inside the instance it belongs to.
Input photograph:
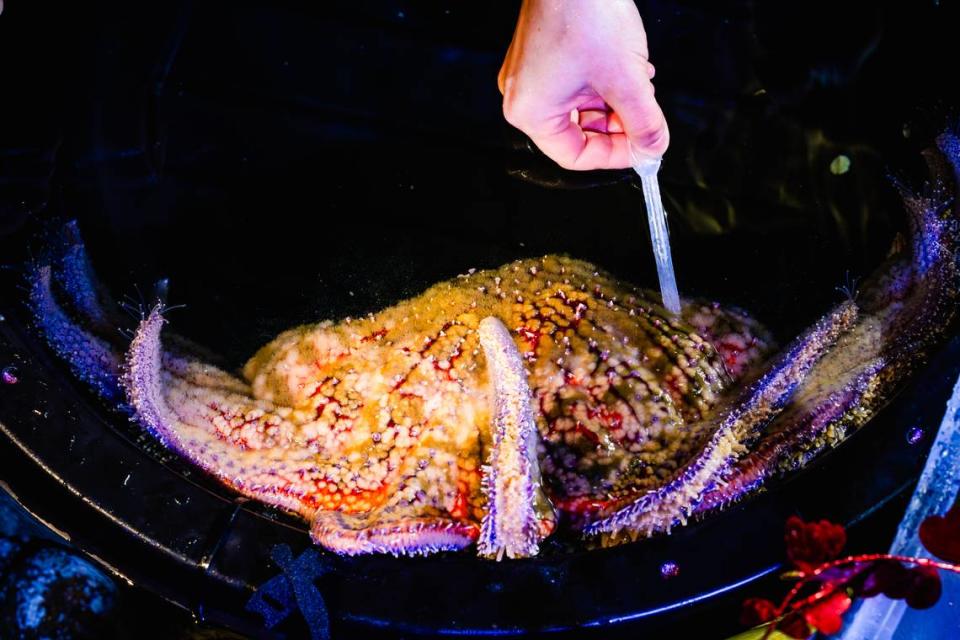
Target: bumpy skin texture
(905, 306)
(474, 411)
(501, 404)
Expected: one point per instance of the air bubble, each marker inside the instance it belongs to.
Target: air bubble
(840, 165)
(914, 435)
(669, 570)
(9, 375)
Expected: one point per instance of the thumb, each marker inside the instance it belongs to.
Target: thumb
(631, 96)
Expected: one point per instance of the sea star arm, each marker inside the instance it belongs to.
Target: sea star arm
(89, 341)
(906, 307)
(243, 441)
(91, 358)
(87, 332)
(211, 417)
(518, 514)
(389, 531)
(670, 504)
(250, 445)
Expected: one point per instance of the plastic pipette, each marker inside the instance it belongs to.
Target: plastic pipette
(647, 168)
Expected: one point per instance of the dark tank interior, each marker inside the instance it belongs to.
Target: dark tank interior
(287, 162)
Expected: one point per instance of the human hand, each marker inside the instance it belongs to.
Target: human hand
(576, 79)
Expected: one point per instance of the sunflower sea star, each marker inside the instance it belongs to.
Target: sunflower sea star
(503, 403)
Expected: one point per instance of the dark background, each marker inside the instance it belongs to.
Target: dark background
(283, 162)
(286, 162)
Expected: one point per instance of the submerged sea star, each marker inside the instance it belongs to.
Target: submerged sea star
(491, 404)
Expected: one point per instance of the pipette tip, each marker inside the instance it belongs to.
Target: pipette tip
(647, 168)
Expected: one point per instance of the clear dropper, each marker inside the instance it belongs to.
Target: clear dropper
(647, 168)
